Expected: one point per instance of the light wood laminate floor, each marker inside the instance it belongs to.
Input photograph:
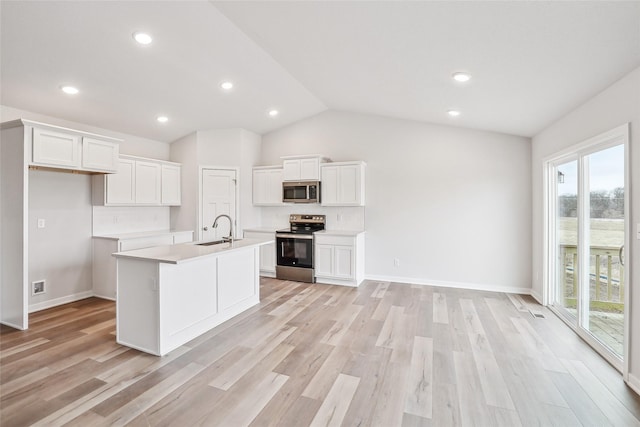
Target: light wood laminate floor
(384, 354)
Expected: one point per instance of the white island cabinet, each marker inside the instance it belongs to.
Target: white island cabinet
(169, 295)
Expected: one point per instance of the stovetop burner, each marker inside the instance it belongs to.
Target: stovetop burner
(304, 224)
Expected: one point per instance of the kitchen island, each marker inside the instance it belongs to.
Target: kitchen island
(168, 295)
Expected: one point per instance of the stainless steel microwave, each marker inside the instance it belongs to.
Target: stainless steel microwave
(301, 192)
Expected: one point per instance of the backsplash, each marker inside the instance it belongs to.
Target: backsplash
(338, 218)
(115, 220)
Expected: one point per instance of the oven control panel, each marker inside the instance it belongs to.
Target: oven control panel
(312, 219)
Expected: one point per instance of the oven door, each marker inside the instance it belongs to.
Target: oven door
(295, 250)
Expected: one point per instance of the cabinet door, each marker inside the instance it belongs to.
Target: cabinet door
(343, 262)
(291, 170)
(121, 185)
(170, 183)
(349, 185)
(268, 258)
(147, 183)
(274, 187)
(309, 169)
(99, 155)
(329, 185)
(52, 148)
(259, 187)
(323, 260)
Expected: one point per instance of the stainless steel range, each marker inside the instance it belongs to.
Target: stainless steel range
(294, 247)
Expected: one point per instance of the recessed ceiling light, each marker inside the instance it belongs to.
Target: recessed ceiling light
(70, 90)
(273, 113)
(453, 113)
(162, 119)
(226, 85)
(142, 38)
(461, 77)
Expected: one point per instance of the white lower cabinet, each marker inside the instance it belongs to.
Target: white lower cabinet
(104, 264)
(339, 258)
(267, 252)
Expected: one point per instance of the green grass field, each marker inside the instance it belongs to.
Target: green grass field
(604, 232)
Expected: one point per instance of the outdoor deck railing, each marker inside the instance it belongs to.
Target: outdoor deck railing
(606, 276)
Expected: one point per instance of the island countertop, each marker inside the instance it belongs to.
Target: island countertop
(183, 252)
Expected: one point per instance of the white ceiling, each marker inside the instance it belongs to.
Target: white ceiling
(531, 62)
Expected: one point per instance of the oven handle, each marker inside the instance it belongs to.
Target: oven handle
(295, 236)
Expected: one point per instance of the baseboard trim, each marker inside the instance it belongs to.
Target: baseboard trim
(59, 301)
(456, 285)
(536, 296)
(634, 383)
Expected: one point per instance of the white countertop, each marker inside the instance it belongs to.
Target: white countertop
(176, 254)
(139, 234)
(264, 229)
(351, 233)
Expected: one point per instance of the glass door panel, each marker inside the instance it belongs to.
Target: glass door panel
(566, 295)
(604, 313)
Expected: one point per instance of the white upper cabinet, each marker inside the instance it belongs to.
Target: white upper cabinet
(147, 183)
(267, 186)
(68, 149)
(302, 168)
(170, 183)
(52, 148)
(121, 187)
(139, 182)
(343, 184)
(99, 155)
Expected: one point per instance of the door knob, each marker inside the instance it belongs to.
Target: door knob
(206, 228)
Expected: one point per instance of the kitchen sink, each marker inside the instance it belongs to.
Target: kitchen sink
(215, 242)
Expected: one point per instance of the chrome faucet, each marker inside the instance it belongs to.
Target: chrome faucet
(215, 225)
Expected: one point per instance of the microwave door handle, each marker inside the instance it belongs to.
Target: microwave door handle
(307, 187)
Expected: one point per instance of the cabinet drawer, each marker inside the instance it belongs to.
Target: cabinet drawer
(335, 240)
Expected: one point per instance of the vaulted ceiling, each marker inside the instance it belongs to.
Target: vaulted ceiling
(531, 62)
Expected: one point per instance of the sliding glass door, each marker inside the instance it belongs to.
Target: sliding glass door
(587, 235)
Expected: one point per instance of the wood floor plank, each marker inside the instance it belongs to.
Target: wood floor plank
(244, 364)
(419, 398)
(255, 401)
(440, 311)
(493, 386)
(394, 347)
(334, 407)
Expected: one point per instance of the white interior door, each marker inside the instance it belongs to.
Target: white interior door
(218, 196)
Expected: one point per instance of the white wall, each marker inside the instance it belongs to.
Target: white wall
(236, 148)
(453, 205)
(618, 104)
(60, 253)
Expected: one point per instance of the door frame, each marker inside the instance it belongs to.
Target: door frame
(236, 218)
(616, 136)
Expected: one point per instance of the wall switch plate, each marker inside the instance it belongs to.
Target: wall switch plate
(396, 262)
(41, 223)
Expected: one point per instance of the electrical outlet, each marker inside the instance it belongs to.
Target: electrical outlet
(41, 223)
(396, 262)
(38, 288)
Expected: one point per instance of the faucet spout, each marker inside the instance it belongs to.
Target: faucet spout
(215, 225)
